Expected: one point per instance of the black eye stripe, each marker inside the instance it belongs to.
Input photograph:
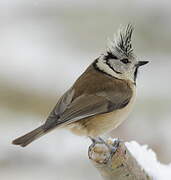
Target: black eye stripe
(110, 56)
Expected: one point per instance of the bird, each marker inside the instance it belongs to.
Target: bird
(101, 98)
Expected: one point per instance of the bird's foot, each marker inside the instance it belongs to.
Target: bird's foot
(114, 144)
(100, 146)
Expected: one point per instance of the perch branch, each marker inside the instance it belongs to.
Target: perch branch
(114, 161)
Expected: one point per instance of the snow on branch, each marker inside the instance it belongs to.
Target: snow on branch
(148, 160)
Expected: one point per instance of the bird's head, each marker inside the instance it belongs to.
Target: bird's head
(119, 59)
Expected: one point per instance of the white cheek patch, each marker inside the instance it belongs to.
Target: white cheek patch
(101, 64)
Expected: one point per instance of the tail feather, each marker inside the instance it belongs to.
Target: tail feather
(29, 137)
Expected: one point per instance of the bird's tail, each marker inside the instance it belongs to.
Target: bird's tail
(29, 137)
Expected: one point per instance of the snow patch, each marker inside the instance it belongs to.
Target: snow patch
(148, 161)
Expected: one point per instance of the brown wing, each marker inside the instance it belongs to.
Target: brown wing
(93, 93)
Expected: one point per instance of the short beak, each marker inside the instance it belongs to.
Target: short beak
(141, 63)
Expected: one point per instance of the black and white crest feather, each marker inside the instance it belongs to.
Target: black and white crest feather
(121, 45)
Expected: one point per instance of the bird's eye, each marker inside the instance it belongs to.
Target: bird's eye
(125, 61)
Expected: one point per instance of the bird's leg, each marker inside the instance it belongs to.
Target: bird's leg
(97, 140)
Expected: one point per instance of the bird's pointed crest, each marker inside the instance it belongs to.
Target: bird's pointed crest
(121, 45)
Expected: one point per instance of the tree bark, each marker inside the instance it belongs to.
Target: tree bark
(114, 161)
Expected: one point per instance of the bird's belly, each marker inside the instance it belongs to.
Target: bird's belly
(100, 124)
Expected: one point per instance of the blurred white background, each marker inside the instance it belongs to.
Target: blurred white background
(44, 46)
